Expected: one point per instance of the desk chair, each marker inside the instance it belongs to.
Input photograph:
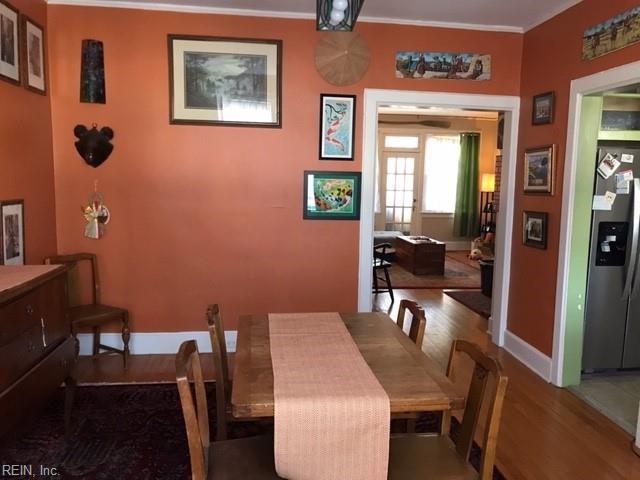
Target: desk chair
(436, 456)
(381, 254)
(94, 314)
(239, 459)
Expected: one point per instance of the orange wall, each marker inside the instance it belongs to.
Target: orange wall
(551, 59)
(26, 160)
(203, 213)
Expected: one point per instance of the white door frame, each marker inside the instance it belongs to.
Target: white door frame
(501, 273)
(598, 82)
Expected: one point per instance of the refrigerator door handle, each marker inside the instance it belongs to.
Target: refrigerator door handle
(633, 258)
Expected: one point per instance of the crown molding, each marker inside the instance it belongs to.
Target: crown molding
(169, 7)
(172, 7)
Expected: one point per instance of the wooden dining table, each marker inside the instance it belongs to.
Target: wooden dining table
(413, 381)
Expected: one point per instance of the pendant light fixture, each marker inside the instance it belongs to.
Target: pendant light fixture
(338, 15)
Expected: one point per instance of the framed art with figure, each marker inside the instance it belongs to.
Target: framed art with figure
(12, 232)
(225, 81)
(542, 112)
(33, 49)
(337, 126)
(539, 164)
(9, 43)
(331, 195)
(534, 229)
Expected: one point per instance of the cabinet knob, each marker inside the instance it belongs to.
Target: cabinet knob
(29, 309)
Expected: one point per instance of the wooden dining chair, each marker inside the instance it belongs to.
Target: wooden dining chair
(238, 459)
(381, 253)
(436, 456)
(418, 320)
(216, 334)
(93, 315)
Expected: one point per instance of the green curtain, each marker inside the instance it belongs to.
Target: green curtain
(465, 218)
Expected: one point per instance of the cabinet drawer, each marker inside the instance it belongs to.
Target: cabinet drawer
(18, 316)
(52, 302)
(20, 354)
(22, 399)
(45, 304)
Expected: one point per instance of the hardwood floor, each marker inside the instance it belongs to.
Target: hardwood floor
(546, 432)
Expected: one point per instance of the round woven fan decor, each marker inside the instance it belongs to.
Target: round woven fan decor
(342, 58)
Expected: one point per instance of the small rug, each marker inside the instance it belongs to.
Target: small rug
(472, 299)
(457, 274)
(130, 432)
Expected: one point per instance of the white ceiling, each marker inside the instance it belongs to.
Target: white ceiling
(503, 15)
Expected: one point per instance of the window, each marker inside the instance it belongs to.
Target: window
(401, 141)
(440, 179)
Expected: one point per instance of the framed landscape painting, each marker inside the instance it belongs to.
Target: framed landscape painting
(225, 81)
(33, 48)
(538, 169)
(534, 229)
(331, 195)
(9, 43)
(12, 232)
(337, 126)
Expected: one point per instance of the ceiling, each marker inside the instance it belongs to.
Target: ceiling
(501, 15)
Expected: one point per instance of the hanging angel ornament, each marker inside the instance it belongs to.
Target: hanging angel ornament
(97, 216)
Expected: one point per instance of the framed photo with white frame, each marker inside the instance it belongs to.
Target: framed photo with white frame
(12, 232)
(33, 48)
(337, 126)
(225, 81)
(9, 43)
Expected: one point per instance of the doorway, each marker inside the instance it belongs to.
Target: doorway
(373, 99)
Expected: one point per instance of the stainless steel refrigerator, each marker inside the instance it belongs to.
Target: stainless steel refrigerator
(612, 313)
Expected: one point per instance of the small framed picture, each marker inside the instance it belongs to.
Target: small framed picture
(331, 195)
(33, 48)
(225, 81)
(539, 165)
(337, 126)
(542, 112)
(534, 229)
(12, 217)
(9, 43)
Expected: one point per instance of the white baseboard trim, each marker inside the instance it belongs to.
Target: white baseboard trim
(530, 356)
(156, 342)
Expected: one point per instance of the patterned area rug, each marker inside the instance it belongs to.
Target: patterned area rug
(127, 432)
(458, 273)
(473, 299)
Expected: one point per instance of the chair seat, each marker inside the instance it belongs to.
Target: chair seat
(243, 459)
(88, 314)
(422, 456)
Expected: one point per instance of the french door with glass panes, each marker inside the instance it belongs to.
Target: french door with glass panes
(399, 174)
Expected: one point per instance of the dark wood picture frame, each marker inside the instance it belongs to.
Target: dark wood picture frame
(534, 229)
(21, 239)
(536, 171)
(16, 39)
(542, 108)
(336, 136)
(26, 54)
(176, 117)
(310, 200)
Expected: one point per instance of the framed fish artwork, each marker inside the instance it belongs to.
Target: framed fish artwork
(331, 195)
(337, 126)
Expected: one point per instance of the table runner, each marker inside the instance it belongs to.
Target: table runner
(331, 413)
